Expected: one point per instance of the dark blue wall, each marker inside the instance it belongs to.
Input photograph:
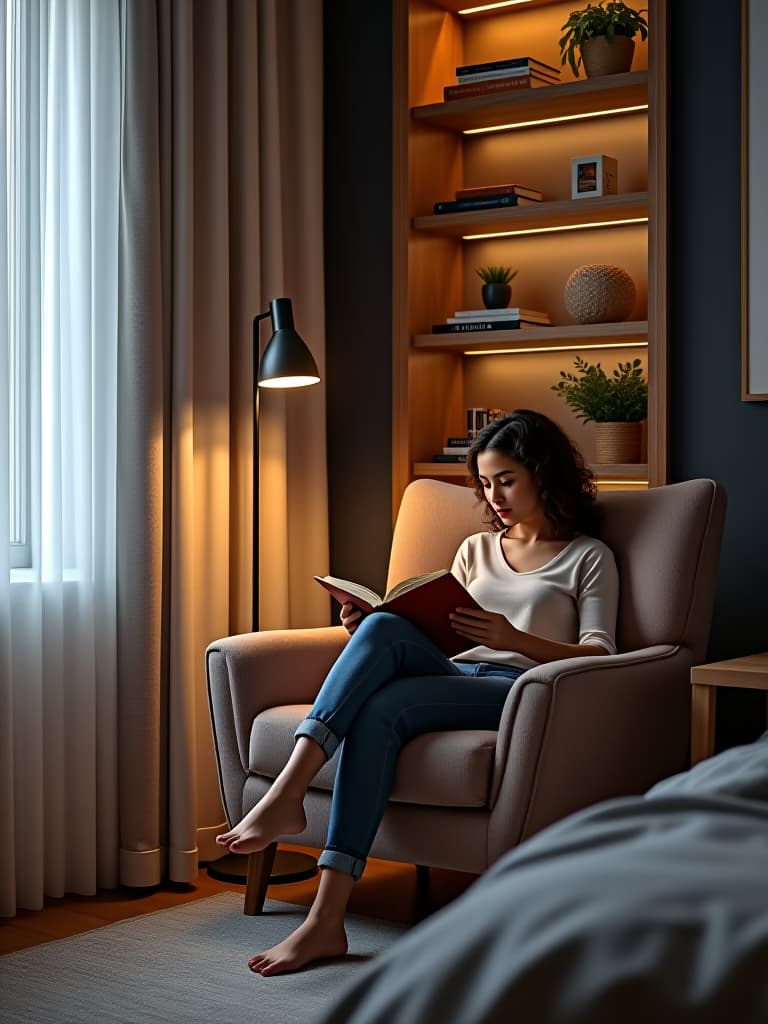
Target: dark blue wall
(712, 432)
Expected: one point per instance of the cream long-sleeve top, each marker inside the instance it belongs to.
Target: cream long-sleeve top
(573, 598)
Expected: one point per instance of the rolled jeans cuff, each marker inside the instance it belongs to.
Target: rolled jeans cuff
(343, 862)
(320, 733)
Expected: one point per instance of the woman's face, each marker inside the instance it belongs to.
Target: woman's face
(509, 488)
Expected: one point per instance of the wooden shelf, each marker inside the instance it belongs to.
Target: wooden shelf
(636, 472)
(625, 471)
(585, 96)
(540, 337)
(562, 212)
(439, 469)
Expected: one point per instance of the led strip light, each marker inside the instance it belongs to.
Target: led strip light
(558, 120)
(558, 227)
(492, 7)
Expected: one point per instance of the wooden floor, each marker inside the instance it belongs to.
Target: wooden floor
(387, 891)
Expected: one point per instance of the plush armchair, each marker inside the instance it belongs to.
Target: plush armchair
(573, 732)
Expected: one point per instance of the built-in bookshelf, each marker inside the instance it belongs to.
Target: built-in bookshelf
(474, 141)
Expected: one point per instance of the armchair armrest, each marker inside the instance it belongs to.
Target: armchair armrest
(581, 730)
(250, 672)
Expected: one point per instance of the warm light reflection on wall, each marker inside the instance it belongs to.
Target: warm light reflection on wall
(557, 227)
(557, 120)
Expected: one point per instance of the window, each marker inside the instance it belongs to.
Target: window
(18, 242)
(60, 81)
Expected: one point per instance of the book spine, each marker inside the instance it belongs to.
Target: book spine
(483, 203)
(488, 88)
(458, 442)
(449, 458)
(490, 76)
(510, 62)
(500, 190)
(507, 313)
(480, 325)
(542, 321)
(486, 76)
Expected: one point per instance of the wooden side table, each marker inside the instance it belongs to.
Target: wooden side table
(749, 673)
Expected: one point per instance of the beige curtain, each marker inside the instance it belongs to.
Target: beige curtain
(221, 210)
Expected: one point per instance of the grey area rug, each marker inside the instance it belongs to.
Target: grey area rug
(187, 964)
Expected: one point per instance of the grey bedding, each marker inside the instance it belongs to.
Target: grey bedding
(648, 909)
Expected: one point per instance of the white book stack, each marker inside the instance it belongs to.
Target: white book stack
(531, 316)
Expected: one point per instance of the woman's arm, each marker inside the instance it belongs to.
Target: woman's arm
(494, 630)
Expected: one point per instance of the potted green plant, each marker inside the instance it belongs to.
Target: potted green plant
(617, 404)
(604, 36)
(497, 289)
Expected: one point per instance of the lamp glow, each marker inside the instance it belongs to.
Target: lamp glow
(289, 382)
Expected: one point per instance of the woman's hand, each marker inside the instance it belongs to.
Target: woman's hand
(491, 629)
(350, 617)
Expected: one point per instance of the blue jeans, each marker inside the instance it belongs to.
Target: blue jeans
(389, 684)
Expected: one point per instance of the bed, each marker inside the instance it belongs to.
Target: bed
(647, 909)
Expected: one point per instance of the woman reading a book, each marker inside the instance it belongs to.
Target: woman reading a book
(547, 589)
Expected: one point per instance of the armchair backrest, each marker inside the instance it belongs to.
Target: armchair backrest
(666, 541)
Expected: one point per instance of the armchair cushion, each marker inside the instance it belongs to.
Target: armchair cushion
(442, 769)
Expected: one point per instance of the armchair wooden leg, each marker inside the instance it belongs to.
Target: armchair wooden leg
(421, 907)
(259, 870)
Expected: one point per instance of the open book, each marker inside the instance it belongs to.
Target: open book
(425, 600)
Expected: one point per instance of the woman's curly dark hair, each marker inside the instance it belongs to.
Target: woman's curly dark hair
(566, 485)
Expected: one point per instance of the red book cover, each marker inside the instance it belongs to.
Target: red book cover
(426, 601)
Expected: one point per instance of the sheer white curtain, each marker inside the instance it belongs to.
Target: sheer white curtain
(59, 176)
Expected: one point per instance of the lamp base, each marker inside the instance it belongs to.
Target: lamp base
(289, 866)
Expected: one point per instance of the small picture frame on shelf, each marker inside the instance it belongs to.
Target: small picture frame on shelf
(593, 176)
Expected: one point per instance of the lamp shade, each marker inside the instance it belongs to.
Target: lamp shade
(287, 362)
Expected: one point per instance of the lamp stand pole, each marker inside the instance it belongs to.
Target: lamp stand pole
(288, 865)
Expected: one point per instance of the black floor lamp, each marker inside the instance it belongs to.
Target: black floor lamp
(286, 363)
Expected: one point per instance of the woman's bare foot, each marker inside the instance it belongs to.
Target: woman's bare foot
(280, 812)
(314, 939)
(272, 816)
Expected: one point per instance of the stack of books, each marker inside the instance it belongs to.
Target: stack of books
(509, 319)
(490, 197)
(500, 75)
(455, 450)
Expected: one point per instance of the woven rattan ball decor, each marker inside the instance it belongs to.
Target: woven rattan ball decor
(599, 293)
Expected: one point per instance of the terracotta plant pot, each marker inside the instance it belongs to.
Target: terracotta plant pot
(618, 442)
(600, 57)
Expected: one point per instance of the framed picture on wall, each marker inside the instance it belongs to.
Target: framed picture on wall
(754, 203)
